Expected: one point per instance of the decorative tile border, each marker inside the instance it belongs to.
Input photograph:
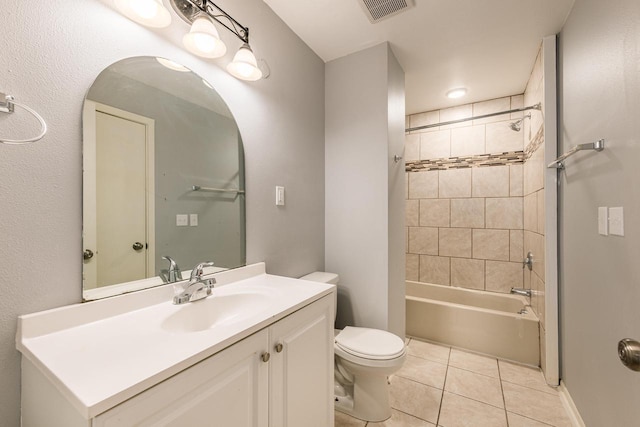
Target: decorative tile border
(535, 143)
(480, 160)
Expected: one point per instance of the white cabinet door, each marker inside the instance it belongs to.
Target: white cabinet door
(229, 389)
(301, 367)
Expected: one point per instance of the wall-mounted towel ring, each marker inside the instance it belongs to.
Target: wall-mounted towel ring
(7, 106)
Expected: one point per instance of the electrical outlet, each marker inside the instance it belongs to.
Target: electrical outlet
(182, 220)
(616, 221)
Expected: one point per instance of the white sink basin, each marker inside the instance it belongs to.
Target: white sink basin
(101, 353)
(216, 310)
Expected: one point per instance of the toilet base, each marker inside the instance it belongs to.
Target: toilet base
(370, 399)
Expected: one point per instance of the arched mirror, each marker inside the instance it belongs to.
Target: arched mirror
(163, 177)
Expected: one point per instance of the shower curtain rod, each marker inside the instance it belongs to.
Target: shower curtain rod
(537, 106)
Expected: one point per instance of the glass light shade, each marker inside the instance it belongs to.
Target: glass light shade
(244, 65)
(203, 40)
(150, 13)
(457, 93)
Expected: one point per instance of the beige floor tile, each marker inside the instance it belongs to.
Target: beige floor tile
(400, 419)
(535, 404)
(474, 362)
(525, 376)
(415, 399)
(516, 420)
(423, 371)
(344, 420)
(426, 350)
(474, 386)
(458, 411)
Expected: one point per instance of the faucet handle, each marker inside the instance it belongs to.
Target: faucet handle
(198, 270)
(528, 261)
(174, 272)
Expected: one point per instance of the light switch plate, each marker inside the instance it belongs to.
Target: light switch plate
(279, 196)
(193, 220)
(603, 221)
(182, 220)
(616, 221)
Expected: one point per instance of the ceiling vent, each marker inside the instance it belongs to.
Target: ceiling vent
(377, 10)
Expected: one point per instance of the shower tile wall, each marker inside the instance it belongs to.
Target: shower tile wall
(534, 196)
(465, 227)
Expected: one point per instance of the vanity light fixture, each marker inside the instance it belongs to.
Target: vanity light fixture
(203, 39)
(457, 93)
(202, 14)
(244, 65)
(150, 13)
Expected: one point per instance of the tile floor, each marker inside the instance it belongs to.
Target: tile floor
(445, 387)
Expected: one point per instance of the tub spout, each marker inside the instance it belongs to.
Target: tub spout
(520, 291)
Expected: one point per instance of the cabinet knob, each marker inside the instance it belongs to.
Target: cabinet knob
(265, 356)
(279, 347)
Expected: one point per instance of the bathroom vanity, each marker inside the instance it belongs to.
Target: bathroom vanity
(258, 352)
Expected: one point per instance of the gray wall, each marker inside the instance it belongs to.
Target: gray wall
(600, 276)
(50, 56)
(363, 190)
(397, 188)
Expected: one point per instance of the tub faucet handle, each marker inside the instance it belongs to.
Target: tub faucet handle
(528, 261)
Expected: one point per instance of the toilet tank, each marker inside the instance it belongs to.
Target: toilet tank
(324, 277)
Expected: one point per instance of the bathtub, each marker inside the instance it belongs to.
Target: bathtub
(483, 322)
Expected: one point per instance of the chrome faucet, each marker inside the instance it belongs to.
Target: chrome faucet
(175, 274)
(197, 288)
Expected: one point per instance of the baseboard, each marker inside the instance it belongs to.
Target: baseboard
(570, 406)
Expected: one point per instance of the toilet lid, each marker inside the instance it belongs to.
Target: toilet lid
(370, 343)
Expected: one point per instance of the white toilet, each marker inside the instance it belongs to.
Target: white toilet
(364, 359)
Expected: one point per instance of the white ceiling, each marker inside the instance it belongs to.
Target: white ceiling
(487, 46)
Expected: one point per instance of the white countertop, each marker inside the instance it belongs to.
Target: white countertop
(101, 353)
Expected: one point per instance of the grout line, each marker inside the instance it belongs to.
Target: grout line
(411, 415)
(476, 400)
(529, 418)
(474, 372)
(443, 387)
(532, 388)
(424, 358)
(504, 402)
(416, 381)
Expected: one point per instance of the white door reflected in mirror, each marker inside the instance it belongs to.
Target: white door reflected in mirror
(122, 211)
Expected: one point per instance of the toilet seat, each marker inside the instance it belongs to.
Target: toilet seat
(373, 345)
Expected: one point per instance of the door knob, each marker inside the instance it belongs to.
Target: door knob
(265, 356)
(278, 347)
(629, 353)
(87, 254)
(137, 246)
